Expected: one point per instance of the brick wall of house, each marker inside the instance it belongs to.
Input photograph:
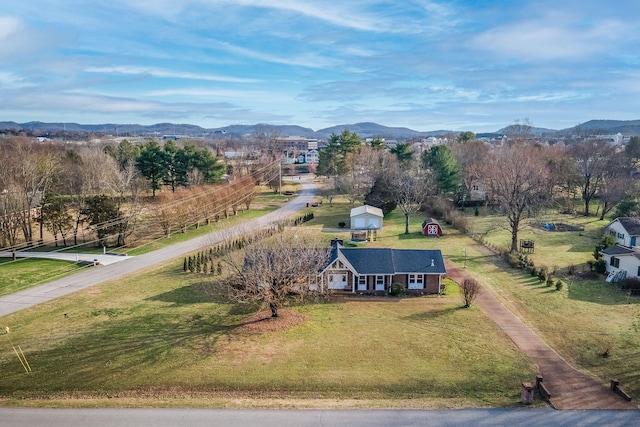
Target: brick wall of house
(432, 284)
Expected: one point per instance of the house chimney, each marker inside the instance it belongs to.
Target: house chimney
(337, 243)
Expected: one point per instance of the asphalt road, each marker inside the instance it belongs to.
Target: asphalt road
(36, 417)
(94, 276)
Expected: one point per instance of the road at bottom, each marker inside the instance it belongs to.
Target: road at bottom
(166, 417)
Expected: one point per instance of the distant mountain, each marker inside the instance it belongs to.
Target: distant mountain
(365, 130)
(369, 130)
(282, 130)
(511, 129)
(604, 127)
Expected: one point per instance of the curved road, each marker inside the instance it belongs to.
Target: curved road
(91, 277)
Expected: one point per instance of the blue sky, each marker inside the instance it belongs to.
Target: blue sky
(422, 64)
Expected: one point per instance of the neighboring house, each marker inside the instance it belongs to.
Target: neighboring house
(431, 227)
(374, 270)
(477, 193)
(623, 259)
(366, 218)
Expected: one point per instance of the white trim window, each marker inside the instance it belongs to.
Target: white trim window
(362, 283)
(416, 281)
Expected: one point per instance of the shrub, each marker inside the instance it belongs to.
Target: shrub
(559, 285)
(397, 290)
(631, 283)
(533, 271)
(549, 281)
(572, 269)
(470, 289)
(476, 212)
(600, 266)
(542, 274)
(512, 260)
(342, 224)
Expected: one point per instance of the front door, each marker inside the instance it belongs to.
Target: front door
(379, 283)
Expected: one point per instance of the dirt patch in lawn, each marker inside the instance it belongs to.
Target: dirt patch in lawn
(263, 322)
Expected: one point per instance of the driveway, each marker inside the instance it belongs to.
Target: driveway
(570, 388)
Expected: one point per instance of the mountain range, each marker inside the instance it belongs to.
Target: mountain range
(365, 130)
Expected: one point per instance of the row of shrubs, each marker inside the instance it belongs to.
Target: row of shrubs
(205, 261)
(523, 262)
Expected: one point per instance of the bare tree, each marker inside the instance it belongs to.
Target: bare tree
(518, 179)
(471, 155)
(593, 160)
(408, 187)
(30, 170)
(276, 270)
(470, 290)
(364, 166)
(616, 185)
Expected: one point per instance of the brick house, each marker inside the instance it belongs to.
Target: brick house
(374, 270)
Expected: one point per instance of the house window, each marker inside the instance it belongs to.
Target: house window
(338, 264)
(621, 236)
(416, 281)
(362, 283)
(614, 262)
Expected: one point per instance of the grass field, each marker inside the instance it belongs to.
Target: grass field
(167, 339)
(24, 273)
(165, 335)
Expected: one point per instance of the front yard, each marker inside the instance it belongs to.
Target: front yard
(166, 339)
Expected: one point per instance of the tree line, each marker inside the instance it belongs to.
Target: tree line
(518, 175)
(99, 193)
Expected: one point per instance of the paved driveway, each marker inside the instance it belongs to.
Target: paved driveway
(569, 387)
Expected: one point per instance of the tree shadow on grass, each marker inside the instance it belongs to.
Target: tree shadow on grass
(411, 236)
(435, 314)
(195, 293)
(119, 354)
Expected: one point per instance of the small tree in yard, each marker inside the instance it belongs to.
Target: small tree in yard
(277, 270)
(470, 289)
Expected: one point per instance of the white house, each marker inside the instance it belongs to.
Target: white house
(623, 259)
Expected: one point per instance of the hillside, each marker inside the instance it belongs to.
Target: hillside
(364, 129)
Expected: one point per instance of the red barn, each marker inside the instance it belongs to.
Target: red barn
(431, 227)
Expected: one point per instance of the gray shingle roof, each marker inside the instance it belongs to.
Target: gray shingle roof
(631, 224)
(618, 250)
(394, 261)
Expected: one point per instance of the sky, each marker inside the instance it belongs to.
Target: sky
(422, 64)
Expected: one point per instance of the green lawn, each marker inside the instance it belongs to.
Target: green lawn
(24, 273)
(165, 338)
(166, 335)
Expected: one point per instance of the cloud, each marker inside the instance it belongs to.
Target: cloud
(546, 40)
(12, 81)
(9, 25)
(169, 74)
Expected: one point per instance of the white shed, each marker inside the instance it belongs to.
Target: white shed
(366, 218)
